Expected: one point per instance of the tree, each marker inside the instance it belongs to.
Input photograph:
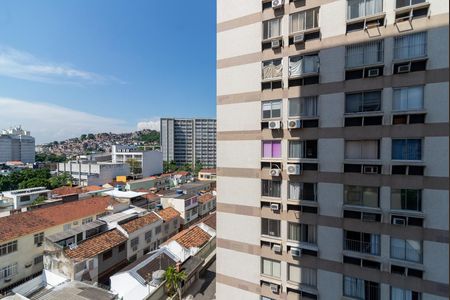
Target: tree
(60, 180)
(169, 166)
(174, 278)
(90, 136)
(135, 166)
(83, 137)
(186, 167)
(198, 167)
(38, 200)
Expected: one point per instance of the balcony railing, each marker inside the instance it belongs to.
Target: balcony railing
(362, 247)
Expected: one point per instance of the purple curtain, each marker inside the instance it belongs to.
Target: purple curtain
(276, 149)
(267, 149)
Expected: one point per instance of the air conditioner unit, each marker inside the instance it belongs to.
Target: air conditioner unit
(373, 73)
(370, 170)
(296, 252)
(276, 44)
(275, 206)
(275, 124)
(274, 287)
(292, 124)
(404, 69)
(275, 172)
(299, 38)
(276, 248)
(398, 221)
(277, 3)
(293, 169)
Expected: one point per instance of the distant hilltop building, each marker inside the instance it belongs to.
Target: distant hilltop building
(16, 144)
(187, 141)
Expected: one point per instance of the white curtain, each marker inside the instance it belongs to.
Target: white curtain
(410, 46)
(297, 22)
(413, 251)
(272, 70)
(309, 277)
(353, 287)
(295, 190)
(311, 64)
(295, 149)
(374, 244)
(295, 274)
(373, 53)
(373, 7)
(361, 149)
(308, 106)
(355, 9)
(295, 66)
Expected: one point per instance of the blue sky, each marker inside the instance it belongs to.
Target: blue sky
(105, 65)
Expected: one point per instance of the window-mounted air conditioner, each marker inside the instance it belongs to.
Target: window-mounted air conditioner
(404, 69)
(398, 221)
(275, 124)
(275, 172)
(299, 38)
(275, 44)
(277, 3)
(296, 252)
(276, 248)
(274, 287)
(373, 73)
(293, 169)
(275, 207)
(293, 124)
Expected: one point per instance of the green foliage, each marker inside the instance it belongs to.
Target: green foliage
(186, 167)
(174, 280)
(169, 167)
(50, 157)
(151, 136)
(198, 167)
(90, 136)
(38, 200)
(29, 178)
(83, 137)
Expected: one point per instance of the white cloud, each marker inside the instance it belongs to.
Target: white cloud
(48, 122)
(23, 65)
(152, 124)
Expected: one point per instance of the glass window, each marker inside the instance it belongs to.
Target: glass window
(270, 267)
(407, 149)
(361, 196)
(271, 109)
(271, 188)
(410, 46)
(148, 236)
(38, 259)
(8, 248)
(362, 8)
(39, 238)
(362, 149)
(362, 242)
(402, 3)
(302, 275)
(359, 55)
(87, 220)
(270, 227)
(302, 191)
(303, 107)
(304, 20)
(302, 149)
(408, 98)
(408, 250)
(401, 294)
(300, 65)
(406, 199)
(305, 233)
(271, 149)
(271, 28)
(8, 271)
(363, 102)
(272, 69)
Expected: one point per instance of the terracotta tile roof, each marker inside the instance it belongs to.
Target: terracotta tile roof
(182, 173)
(16, 225)
(96, 245)
(205, 198)
(168, 213)
(66, 190)
(166, 175)
(211, 220)
(151, 197)
(213, 171)
(191, 237)
(92, 188)
(140, 222)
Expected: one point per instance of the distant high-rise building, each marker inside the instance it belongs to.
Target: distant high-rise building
(332, 165)
(188, 141)
(16, 144)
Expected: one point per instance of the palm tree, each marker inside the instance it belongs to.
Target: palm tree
(174, 278)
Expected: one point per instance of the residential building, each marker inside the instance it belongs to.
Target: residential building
(188, 141)
(207, 174)
(17, 144)
(332, 149)
(185, 203)
(142, 163)
(206, 203)
(22, 198)
(171, 225)
(85, 173)
(22, 235)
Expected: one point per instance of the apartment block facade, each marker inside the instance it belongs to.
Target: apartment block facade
(332, 149)
(188, 141)
(17, 144)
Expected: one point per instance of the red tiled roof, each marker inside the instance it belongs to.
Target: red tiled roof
(92, 188)
(151, 197)
(16, 225)
(210, 220)
(140, 222)
(66, 190)
(168, 213)
(213, 171)
(191, 237)
(205, 198)
(96, 245)
(182, 173)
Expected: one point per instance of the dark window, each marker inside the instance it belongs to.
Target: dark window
(122, 247)
(107, 255)
(271, 188)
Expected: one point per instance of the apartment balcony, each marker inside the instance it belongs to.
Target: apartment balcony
(358, 246)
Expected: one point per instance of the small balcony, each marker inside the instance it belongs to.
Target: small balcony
(371, 248)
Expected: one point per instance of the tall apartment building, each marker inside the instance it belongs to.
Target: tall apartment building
(142, 163)
(332, 178)
(17, 144)
(187, 141)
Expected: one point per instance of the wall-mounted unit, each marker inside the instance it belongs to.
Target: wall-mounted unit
(293, 169)
(277, 3)
(294, 124)
(274, 124)
(275, 172)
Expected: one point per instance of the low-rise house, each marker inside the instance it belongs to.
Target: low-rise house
(172, 222)
(206, 203)
(21, 198)
(185, 204)
(134, 198)
(22, 235)
(207, 174)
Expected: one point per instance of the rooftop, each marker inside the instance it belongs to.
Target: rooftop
(168, 213)
(191, 237)
(66, 190)
(96, 245)
(211, 221)
(126, 195)
(205, 198)
(75, 230)
(74, 290)
(140, 222)
(20, 224)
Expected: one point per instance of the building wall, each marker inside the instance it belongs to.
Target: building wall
(143, 244)
(239, 116)
(17, 147)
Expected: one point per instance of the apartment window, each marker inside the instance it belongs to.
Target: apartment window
(271, 28)
(408, 250)
(67, 227)
(304, 20)
(410, 46)
(271, 109)
(362, 242)
(361, 195)
(271, 149)
(406, 199)
(167, 226)
(303, 107)
(8, 271)
(363, 8)
(368, 149)
(305, 233)
(303, 149)
(361, 289)
(401, 294)
(122, 247)
(363, 102)
(270, 267)
(39, 239)
(148, 236)
(175, 222)
(403, 3)
(107, 255)
(304, 276)
(304, 64)
(408, 98)
(407, 149)
(270, 227)
(272, 69)
(87, 220)
(271, 188)
(365, 54)
(38, 259)
(8, 248)
(302, 191)
(134, 243)
(158, 229)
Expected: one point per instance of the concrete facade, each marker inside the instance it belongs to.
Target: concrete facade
(147, 162)
(17, 145)
(350, 221)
